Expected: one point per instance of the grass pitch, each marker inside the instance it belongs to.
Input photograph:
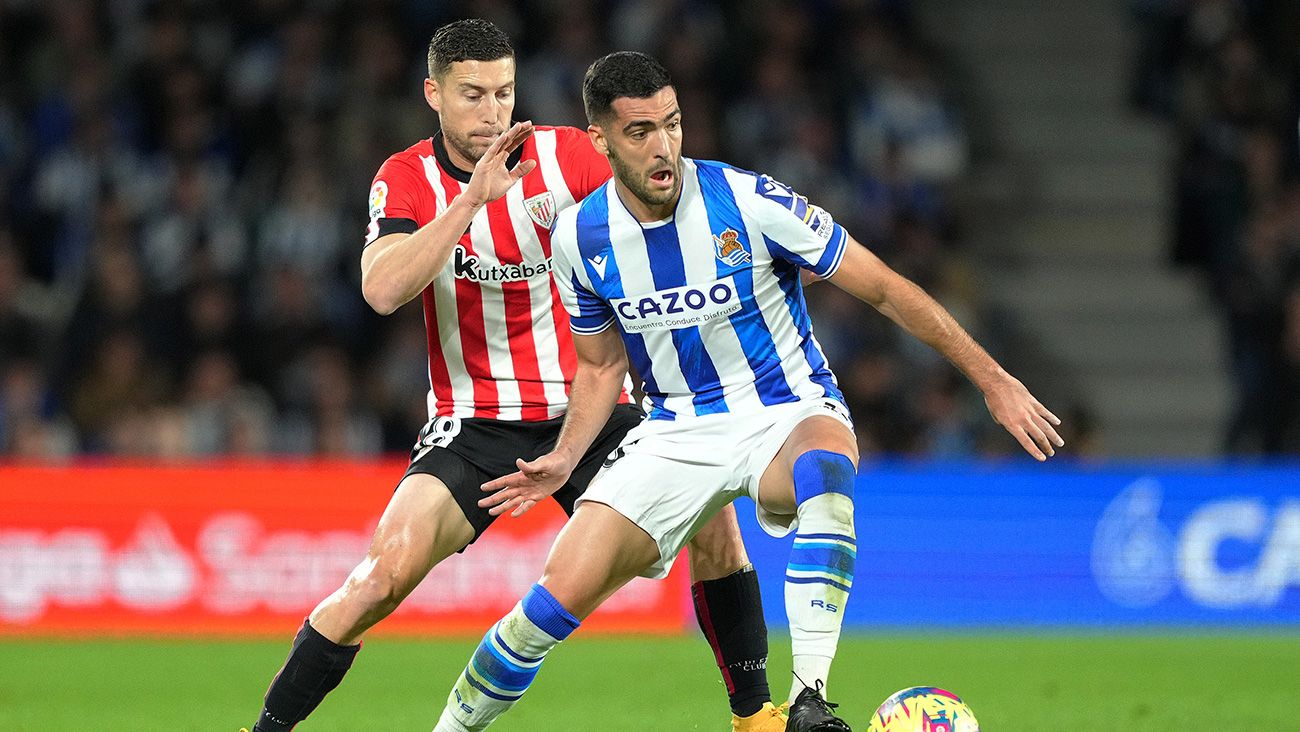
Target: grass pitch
(1080, 683)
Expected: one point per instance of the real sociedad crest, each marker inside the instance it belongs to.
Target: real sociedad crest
(541, 209)
(729, 249)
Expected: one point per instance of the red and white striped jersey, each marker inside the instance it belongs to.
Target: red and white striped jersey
(499, 340)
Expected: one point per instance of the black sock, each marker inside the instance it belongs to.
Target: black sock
(730, 612)
(315, 666)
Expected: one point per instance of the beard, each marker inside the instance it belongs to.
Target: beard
(464, 146)
(639, 182)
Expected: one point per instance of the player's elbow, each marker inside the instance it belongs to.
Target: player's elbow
(381, 299)
(617, 371)
(607, 367)
(883, 290)
(604, 370)
(614, 363)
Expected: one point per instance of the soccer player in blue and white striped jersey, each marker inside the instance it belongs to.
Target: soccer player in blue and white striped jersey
(691, 270)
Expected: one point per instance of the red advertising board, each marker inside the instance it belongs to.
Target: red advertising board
(250, 548)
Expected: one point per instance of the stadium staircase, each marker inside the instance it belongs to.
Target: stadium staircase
(1068, 227)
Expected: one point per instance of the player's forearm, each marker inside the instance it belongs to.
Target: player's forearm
(911, 307)
(592, 398)
(401, 272)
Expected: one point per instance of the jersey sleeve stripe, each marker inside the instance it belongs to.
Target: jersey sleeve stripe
(592, 329)
(593, 313)
(834, 254)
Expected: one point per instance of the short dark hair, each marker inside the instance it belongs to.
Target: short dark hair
(620, 74)
(473, 39)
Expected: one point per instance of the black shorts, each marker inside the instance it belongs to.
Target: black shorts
(466, 453)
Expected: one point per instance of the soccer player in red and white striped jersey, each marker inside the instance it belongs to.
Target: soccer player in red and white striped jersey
(463, 220)
(498, 345)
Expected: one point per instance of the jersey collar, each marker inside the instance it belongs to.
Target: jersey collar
(444, 161)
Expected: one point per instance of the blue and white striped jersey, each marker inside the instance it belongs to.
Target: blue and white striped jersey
(709, 301)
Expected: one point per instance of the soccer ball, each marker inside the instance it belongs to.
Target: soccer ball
(923, 709)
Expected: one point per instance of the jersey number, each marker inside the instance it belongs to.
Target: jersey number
(439, 432)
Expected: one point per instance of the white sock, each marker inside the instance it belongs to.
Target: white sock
(811, 669)
(820, 572)
(505, 662)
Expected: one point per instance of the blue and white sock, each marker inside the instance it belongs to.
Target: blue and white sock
(820, 572)
(505, 663)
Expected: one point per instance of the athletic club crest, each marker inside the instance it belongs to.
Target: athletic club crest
(729, 249)
(541, 209)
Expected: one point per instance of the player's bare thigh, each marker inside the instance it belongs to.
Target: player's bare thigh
(598, 551)
(718, 550)
(776, 487)
(421, 526)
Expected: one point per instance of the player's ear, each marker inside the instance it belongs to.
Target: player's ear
(598, 140)
(431, 95)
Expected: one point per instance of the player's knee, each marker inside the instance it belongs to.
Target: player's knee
(714, 556)
(579, 592)
(822, 472)
(578, 596)
(379, 585)
(717, 549)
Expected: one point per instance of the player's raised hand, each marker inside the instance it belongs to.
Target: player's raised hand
(520, 491)
(491, 178)
(1033, 426)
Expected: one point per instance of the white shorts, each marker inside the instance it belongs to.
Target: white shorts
(673, 476)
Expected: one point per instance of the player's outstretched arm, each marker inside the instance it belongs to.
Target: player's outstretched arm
(864, 276)
(597, 383)
(397, 267)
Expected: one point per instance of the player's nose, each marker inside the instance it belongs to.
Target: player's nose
(491, 112)
(659, 144)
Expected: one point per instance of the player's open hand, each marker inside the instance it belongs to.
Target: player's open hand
(520, 491)
(491, 178)
(1033, 426)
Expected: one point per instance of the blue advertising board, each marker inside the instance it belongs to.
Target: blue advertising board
(987, 546)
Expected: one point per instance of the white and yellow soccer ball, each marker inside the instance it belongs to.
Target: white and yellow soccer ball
(923, 709)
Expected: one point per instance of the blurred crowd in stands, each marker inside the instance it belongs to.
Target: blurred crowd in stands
(1226, 75)
(183, 188)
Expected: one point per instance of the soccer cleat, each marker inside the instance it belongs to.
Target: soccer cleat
(768, 719)
(811, 713)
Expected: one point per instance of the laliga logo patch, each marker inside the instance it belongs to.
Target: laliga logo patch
(729, 249)
(541, 209)
(378, 199)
